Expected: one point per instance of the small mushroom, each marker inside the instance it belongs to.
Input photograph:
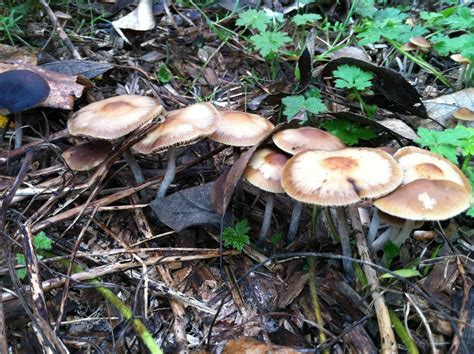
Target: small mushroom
(420, 44)
(21, 90)
(464, 113)
(340, 178)
(294, 141)
(88, 155)
(180, 127)
(264, 171)
(465, 63)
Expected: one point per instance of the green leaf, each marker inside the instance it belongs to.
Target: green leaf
(42, 242)
(164, 74)
(21, 260)
(269, 42)
(237, 237)
(391, 251)
(350, 133)
(405, 273)
(301, 20)
(254, 19)
(352, 77)
(294, 104)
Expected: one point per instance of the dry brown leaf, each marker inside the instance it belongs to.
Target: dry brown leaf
(246, 345)
(63, 88)
(442, 108)
(17, 55)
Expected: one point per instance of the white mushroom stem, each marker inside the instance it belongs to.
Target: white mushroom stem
(404, 234)
(136, 171)
(169, 174)
(294, 222)
(345, 242)
(267, 218)
(380, 242)
(373, 228)
(18, 130)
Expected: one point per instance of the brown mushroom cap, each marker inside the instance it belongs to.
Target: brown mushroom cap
(458, 58)
(88, 155)
(298, 140)
(420, 42)
(114, 117)
(417, 163)
(425, 199)
(341, 177)
(464, 113)
(408, 47)
(180, 127)
(264, 170)
(396, 221)
(241, 128)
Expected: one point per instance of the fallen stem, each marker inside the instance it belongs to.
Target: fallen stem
(403, 333)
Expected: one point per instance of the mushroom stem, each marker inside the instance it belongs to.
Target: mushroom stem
(18, 130)
(374, 227)
(169, 174)
(380, 242)
(294, 222)
(345, 242)
(461, 78)
(136, 171)
(404, 234)
(267, 218)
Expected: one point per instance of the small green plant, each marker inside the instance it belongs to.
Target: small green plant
(41, 242)
(256, 19)
(350, 133)
(269, 43)
(304, 19)
(310, 102)
(237, 236)
(357, 81)
(163, 75)
(452, 143)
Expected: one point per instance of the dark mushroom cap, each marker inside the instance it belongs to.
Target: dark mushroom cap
(114, 117)
(180, 127)
(302, 139)
(88, 155)
(240, 128)
(264, 170)
(425, 199)
(21, 90)
(342, 177)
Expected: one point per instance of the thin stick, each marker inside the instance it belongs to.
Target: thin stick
(387, 337)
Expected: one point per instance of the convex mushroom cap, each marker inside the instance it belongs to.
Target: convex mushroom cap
(425, 199)
(420, 42)
(464, 113)
(21, 90)
(342, 177)
(240, 128)
(417, 163)
(114, 117)
(88, 155)
(180, 127)
(264, 170)
(459, 58)
(294, 141)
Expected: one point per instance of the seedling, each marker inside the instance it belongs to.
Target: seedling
(237, 237)
(350, 133)
(357, 81)
(311, 102)
(41, 243)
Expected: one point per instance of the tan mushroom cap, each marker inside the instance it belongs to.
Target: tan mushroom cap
(425, 199)
(114, 117)
(88, 155)
(264, 170)
(464, 113)
(409, 47)
(241, 128)
(180, 127)
(420, 42)
(342, 177)
(302, 139)
(459, 58)
(417, 163)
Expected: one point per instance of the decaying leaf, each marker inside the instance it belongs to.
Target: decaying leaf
(140, 19)
(392, 91)
(87, 68)
(63, 88)
(189, 207)
(442, 108)
(249, 345)
(17, 55)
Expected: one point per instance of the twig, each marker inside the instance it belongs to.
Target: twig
(387, 337)
(425, 323)
(57, 27)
